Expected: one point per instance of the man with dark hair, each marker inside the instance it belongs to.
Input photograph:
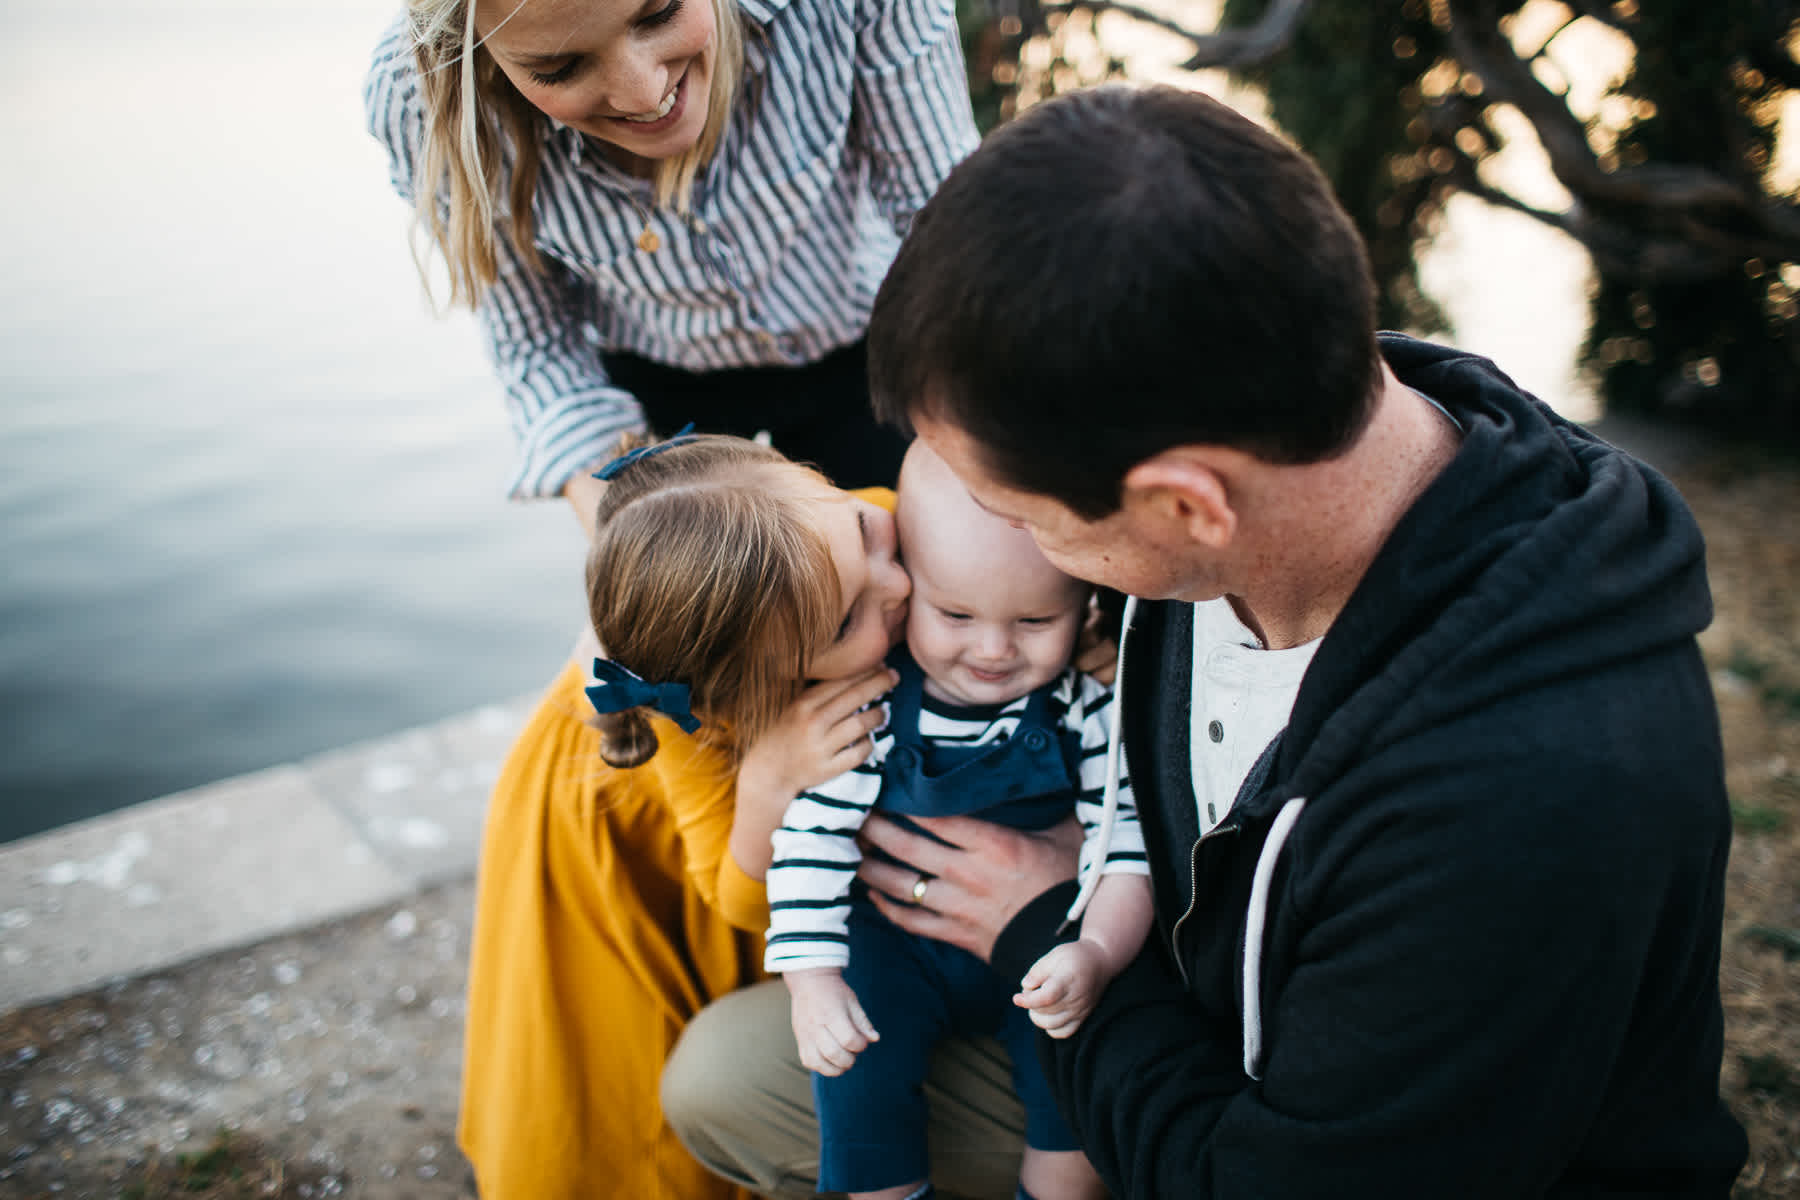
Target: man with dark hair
(1425, 753)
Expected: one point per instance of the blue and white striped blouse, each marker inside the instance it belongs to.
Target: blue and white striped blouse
(850, 114)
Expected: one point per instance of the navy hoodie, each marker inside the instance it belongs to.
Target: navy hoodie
(1459, 936)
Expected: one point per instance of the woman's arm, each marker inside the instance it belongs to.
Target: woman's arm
(911, 107)
(565, 413)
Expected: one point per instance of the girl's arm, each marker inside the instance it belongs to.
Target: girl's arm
(823, 734)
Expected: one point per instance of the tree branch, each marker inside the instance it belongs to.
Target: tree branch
(1238, 48)
(1481, 48)
(1143, 15)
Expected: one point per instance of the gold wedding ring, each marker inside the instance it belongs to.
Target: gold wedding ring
(919, 889)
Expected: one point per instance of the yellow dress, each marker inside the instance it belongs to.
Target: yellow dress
(608, 911)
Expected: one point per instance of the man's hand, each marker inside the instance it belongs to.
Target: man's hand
(830, 1027)
(1062, 987)
(975, 885)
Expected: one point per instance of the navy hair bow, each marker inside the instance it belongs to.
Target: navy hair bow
(619, 689)
(684, 434)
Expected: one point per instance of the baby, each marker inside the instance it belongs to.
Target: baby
(988, 719)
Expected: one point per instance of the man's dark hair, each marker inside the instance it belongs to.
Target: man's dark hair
(1122, 270)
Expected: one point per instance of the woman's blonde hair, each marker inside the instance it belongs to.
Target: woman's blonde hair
(707, 569)
(475, 120)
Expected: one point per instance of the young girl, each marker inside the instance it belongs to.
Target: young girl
(667, 211)
(615, 900)
(988, 719)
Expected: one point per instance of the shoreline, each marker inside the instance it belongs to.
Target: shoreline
(247, 859)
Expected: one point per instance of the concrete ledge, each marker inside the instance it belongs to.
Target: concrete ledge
(248, 858)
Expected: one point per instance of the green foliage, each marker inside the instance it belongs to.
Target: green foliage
(1694, 313)
(1766, 1074)
(1722, 346)
(1785, 940)
(995, 34)
(231, 1167)
(986, 46)
(1348, 90)
(1782, 698)
(1754, 819)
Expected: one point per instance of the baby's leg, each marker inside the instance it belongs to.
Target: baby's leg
(1054, 1168)
(906, 1191)
(873, 1118)
(1059, 1175)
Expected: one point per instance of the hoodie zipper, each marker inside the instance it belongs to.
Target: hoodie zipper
(1224, 827)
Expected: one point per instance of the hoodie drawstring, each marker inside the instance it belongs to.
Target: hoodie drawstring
(1109, 799)
(1255, 922)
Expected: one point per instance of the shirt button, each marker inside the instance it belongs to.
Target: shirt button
(699, 225)
(1215, 731)
(765, 337)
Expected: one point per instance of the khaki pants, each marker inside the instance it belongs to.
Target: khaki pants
(736, 1095)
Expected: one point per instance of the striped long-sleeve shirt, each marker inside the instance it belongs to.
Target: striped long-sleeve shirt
(816, 854)
(849, 115)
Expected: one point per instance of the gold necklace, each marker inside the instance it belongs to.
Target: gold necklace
(648, 241)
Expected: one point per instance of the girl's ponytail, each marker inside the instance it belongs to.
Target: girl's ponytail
(626, 739)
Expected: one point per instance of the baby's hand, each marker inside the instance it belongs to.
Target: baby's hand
(1062, 987)
(829, 1025)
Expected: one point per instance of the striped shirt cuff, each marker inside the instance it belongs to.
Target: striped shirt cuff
(580, 435)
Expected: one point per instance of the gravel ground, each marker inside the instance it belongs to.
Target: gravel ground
(326, 1060)
(1749, 506)
(325, 1063)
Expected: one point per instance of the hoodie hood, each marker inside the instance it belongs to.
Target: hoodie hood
(1470, 599)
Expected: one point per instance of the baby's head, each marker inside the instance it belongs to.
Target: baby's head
(991, 619)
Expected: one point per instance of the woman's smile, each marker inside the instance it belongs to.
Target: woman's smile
(667, 113)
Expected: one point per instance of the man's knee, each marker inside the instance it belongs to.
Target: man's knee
(735, 1094)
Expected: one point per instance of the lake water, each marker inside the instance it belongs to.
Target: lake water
(250, 488)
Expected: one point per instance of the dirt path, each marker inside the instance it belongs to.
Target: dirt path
(1749, 506)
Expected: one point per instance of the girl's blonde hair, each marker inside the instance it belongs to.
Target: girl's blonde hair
(707, 569)
(475, 120)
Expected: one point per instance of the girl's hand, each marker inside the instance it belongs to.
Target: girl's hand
(830, 1027)
(824, 733)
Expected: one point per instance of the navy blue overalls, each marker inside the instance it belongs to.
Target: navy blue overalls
(918, 991)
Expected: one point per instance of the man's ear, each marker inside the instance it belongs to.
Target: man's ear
(1182, 489)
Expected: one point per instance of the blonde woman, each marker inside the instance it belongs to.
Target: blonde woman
(667, 211)
(661, 211)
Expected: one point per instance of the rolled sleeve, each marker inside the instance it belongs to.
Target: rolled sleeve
(912, 116)
(565, 413)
